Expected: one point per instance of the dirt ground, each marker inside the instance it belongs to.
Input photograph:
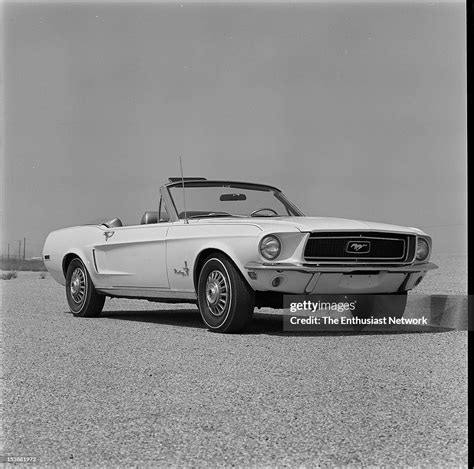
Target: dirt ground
(147, 385)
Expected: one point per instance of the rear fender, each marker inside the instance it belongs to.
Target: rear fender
(58, 252)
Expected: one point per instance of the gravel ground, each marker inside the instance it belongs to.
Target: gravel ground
(148, 385)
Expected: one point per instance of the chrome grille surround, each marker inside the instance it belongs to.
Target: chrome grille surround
(385, 248)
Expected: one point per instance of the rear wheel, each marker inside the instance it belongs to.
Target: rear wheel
(226, 301)
(82, 297)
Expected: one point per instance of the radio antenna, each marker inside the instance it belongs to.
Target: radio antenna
(184, 192)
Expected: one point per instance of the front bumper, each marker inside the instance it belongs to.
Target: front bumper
(295, 278)
(287, 267)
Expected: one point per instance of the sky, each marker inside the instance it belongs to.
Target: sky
(354, 110)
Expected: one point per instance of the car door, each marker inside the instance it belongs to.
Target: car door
(132, 257)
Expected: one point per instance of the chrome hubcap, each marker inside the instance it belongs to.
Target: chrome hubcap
(78, 285)
(217, 293)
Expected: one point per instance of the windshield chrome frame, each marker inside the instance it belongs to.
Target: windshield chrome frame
(173, 213)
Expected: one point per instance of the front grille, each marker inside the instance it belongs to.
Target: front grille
(360, 247)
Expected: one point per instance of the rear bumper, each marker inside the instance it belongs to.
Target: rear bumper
(334, 279)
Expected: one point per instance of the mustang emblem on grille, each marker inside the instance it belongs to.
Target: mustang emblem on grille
(358, 247)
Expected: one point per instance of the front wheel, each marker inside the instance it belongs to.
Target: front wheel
(82, 297)
(226, 301)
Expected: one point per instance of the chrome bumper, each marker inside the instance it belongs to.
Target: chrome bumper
(311, 269)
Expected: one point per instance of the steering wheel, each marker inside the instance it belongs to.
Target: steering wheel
(261, 210)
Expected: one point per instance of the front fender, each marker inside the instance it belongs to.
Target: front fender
(186, 246)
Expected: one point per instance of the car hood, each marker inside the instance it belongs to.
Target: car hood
(306, 224)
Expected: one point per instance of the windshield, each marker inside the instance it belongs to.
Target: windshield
(230, 199)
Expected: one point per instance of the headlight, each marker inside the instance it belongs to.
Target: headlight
(270, 247)
(422, 249)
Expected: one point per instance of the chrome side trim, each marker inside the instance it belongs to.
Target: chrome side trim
(95, 260)
(148, 292)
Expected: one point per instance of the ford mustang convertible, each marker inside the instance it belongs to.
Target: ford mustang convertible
(230, 247)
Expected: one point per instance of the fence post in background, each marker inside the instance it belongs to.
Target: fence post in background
(8, 252)
(24, 248)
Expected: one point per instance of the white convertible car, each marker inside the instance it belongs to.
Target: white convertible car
(229, 247)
